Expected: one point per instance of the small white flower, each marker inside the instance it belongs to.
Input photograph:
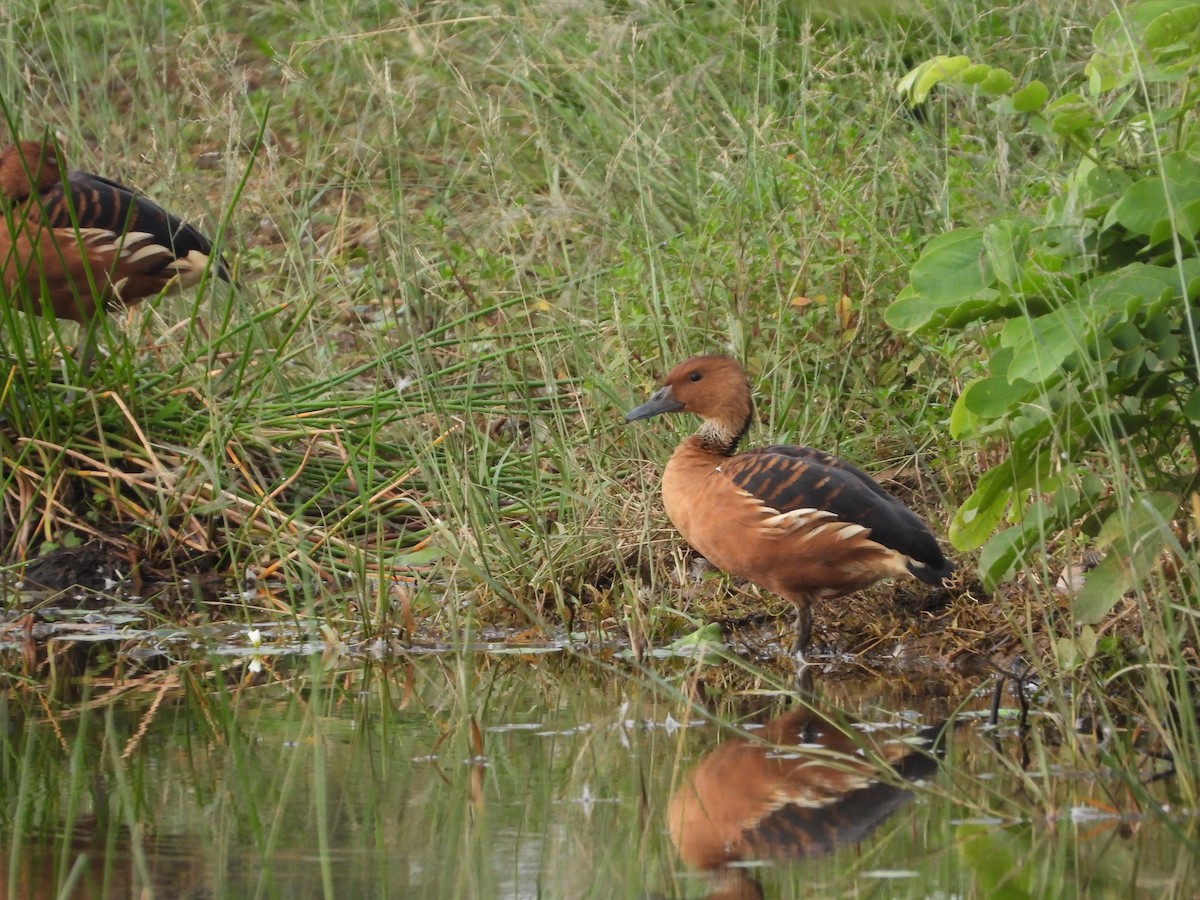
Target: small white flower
(254, 636)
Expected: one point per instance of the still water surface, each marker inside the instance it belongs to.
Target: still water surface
(550, 775)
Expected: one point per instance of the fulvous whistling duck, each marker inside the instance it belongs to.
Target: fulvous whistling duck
(74, 245)
(798, 789)
(793, 520)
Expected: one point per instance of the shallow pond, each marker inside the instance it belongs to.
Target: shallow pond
(202, 769)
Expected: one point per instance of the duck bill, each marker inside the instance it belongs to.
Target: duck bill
(661, 401)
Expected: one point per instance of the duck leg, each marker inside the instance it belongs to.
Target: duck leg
(805, 680)
(87, 348)
(803, 632)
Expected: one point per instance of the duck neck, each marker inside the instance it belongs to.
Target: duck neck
(719, 437)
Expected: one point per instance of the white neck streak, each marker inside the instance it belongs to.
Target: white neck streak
(718, 436)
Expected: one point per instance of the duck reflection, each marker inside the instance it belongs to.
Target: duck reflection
(93, 862)
(797, 788)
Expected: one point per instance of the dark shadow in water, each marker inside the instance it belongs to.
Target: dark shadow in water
(799, 787)
(104, 863)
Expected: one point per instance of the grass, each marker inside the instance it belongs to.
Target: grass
(467, 239)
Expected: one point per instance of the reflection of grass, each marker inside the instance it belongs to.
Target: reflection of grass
(447, 776)
(466, 245)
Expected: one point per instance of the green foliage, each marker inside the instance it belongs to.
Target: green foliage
(1087, 311)
(994, 857)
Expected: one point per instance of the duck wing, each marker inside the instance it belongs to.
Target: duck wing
(803, 481)
(166, 245)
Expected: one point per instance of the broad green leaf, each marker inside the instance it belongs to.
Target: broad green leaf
(1129, 368)
(998, 81)
(1099, 348)
(1027, 468)
(1119, 36)
(994, 396)
(996, 857)
(706, 637)
(1072, 651)
(1030, 98)
(999, 486)
(1156, 326)
(1176, 29)
(913, 313)
(981, 512)
(952, 267)
(1188, 219)
(1107, 71)
(1180, 168)
(963, 422)
(1006, 243)
(919, 81)
(950, 284)
(1000, 555)
(1189, 274)
(1145, 208)
(1077, 120)
(1124, 335)
(1092, 486)
(1127, 291)
(1071, 114)
(1146, 513)
(1111, 64)
(999, 357)
(1191, 406)
(1133, 539)
(909, 311)
(1041, 345)
(975, 74)
(1104, 187)
(1104, 587)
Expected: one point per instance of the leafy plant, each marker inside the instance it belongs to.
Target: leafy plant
(1090, 321)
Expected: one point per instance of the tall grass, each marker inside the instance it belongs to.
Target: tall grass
(468, 240)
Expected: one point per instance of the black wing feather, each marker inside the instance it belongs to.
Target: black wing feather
(788, 478)
(100, 202)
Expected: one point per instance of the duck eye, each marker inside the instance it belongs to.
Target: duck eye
(695, 376)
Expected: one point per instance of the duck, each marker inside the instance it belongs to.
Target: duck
(798, 787)
(75, 245)
(798, 522)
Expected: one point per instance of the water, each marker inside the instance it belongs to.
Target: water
(181, 772)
